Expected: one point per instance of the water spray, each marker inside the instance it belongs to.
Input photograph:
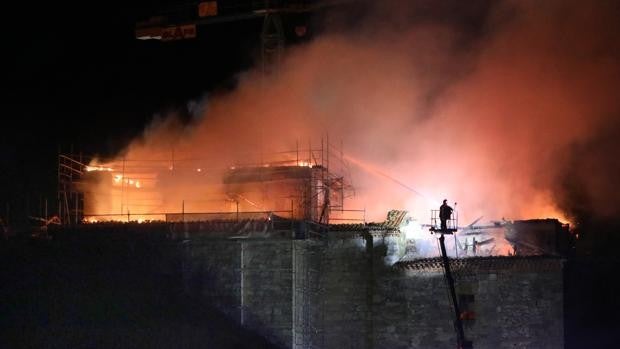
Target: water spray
(374, 171)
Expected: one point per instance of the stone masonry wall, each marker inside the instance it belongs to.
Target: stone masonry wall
(267, 291)
(347, 286)
(249, 281)
(346, 292)
(513, 302)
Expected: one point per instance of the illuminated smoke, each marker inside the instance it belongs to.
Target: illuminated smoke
(489, 122)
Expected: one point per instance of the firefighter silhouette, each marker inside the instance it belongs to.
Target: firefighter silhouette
(445, 212)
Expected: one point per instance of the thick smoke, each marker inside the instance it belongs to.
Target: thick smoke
(502, 118)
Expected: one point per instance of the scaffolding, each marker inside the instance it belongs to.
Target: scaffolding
(309, 182)
(70, 197)
(318, 172)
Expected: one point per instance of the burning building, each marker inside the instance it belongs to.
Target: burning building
(491, 117)
(256, 241)
(354, 285)
(300, 185)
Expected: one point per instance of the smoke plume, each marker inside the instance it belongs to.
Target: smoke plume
(505, 117)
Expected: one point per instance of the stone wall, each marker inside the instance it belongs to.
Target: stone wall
(512, 302)
(248, 280)
(346, 292)
(267, 289)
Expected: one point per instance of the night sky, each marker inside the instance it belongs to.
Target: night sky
(79, 80)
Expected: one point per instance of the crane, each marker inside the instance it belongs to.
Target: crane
(181, 22)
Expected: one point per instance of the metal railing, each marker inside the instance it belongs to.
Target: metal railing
(184, 216)
(451, 223)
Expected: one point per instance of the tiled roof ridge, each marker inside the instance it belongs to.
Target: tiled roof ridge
(484, 263)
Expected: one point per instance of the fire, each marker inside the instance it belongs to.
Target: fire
(137, 189)
(126, 218)
(98, 168)
(147, 186)
(488, 126)
(120, 180)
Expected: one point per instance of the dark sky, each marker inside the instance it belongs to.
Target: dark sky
(80, 66)
(78, 70)
(78, 79)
